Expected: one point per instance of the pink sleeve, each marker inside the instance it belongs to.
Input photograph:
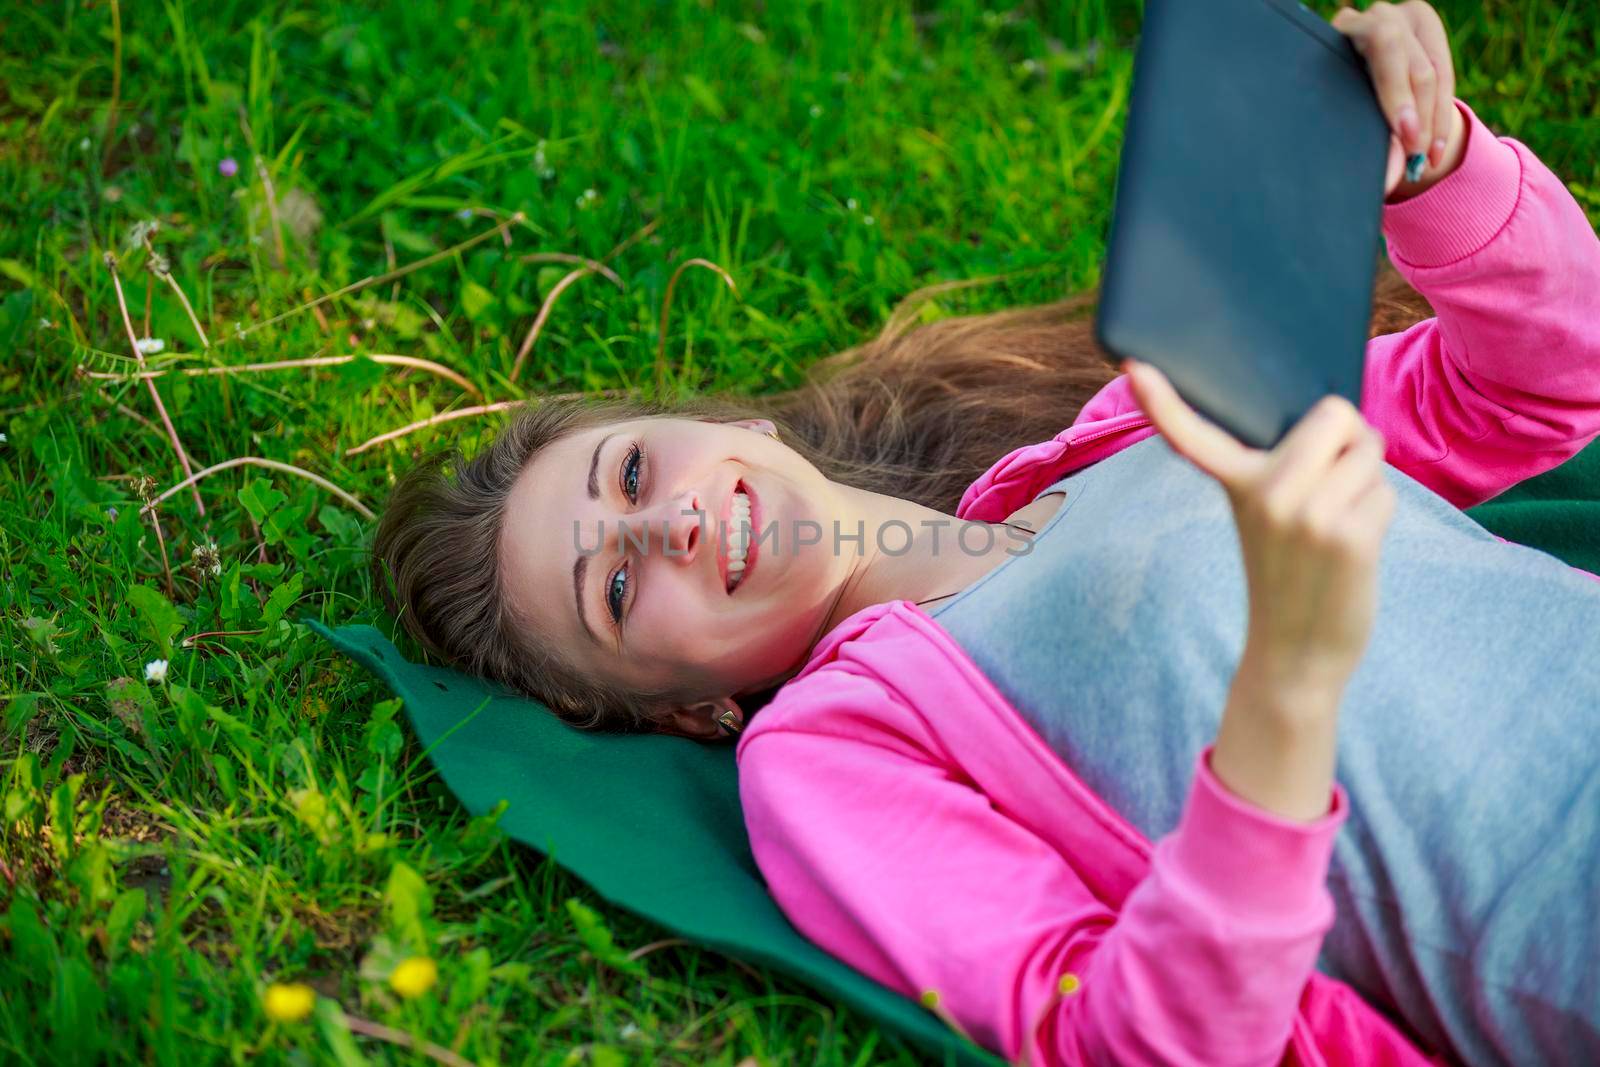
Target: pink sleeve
(1505, 383)
(890, 859)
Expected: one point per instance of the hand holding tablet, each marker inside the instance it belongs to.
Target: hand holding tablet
(1245, 235)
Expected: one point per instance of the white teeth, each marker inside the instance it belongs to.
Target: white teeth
(738, 539)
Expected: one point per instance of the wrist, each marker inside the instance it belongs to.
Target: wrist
(1276, 745)
(1291, 678)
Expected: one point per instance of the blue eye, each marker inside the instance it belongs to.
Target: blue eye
(615, 593)
(630, 473)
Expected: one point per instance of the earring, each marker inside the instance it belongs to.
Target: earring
(729, 722)
(772, 434)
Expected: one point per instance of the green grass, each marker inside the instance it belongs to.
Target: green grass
(171, 849)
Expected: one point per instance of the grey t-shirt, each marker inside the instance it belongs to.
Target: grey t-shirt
(1467, 879)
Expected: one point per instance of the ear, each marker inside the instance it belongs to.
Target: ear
(698, 721)
(765, 426)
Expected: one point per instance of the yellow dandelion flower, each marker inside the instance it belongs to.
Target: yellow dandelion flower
(289, 1002)
(414, 976)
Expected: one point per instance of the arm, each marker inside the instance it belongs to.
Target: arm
(1505, 383)
(889, 857)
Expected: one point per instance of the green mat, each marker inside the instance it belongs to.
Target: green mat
(653, 823)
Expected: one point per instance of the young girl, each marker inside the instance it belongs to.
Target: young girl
(1137, 630)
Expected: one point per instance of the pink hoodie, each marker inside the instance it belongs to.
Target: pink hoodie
(909, 821)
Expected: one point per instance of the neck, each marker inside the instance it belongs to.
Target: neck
(911, 552)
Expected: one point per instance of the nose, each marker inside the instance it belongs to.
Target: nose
(676, 526)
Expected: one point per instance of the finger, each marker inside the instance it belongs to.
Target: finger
(1202, 443)
(1430, 33)
(1380, 36)
(1351, 475)
(1369, 515)
(1424, 90)
(1395, 168)
(1302, 459)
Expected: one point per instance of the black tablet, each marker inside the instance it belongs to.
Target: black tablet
(1246, 231)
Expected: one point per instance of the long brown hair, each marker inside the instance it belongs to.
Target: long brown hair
(917, 413)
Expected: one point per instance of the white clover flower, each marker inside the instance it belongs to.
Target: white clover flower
(155, 670)
(868, 220)
(851, 203)
(45, 324)
(207, 558)
(3, 438)
(816, 111)
(151, 345)
(83, 145)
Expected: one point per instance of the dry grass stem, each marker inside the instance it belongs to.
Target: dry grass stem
(166, 564)
(448, 416)
(414, 362)
(568, 257)
(271, 464)
(272, 211)
(134, 415)
(467, 413)
(194, 320)
(368, 1028)
(666, 309)
(539, 319)
(155, 395)
(638, 235)
(189, 642)
(379, 279)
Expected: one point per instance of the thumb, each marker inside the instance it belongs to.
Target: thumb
(1201, 442)
(1395, 167)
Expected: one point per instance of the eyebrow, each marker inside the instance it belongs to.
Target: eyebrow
(580, 569)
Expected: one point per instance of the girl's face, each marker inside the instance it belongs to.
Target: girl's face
(621, 546)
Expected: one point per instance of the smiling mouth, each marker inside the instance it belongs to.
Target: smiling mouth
(741, 557)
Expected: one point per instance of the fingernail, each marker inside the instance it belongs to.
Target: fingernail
(1414, 165)
(1436, 154)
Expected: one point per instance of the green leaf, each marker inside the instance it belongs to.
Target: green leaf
(344, 528)
(161, 620)
(384, 710)
(20, 711)
(260, 499)
(705, 96)
(330, 1021)
(127, 911)
(596, 937)
(408, 901)
(475, 300)
(31, 943)
(286, 524)
(383, 740)
(42, 632)
(191, 708)
(18, 273)
(76, 1007)
(281, 599)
